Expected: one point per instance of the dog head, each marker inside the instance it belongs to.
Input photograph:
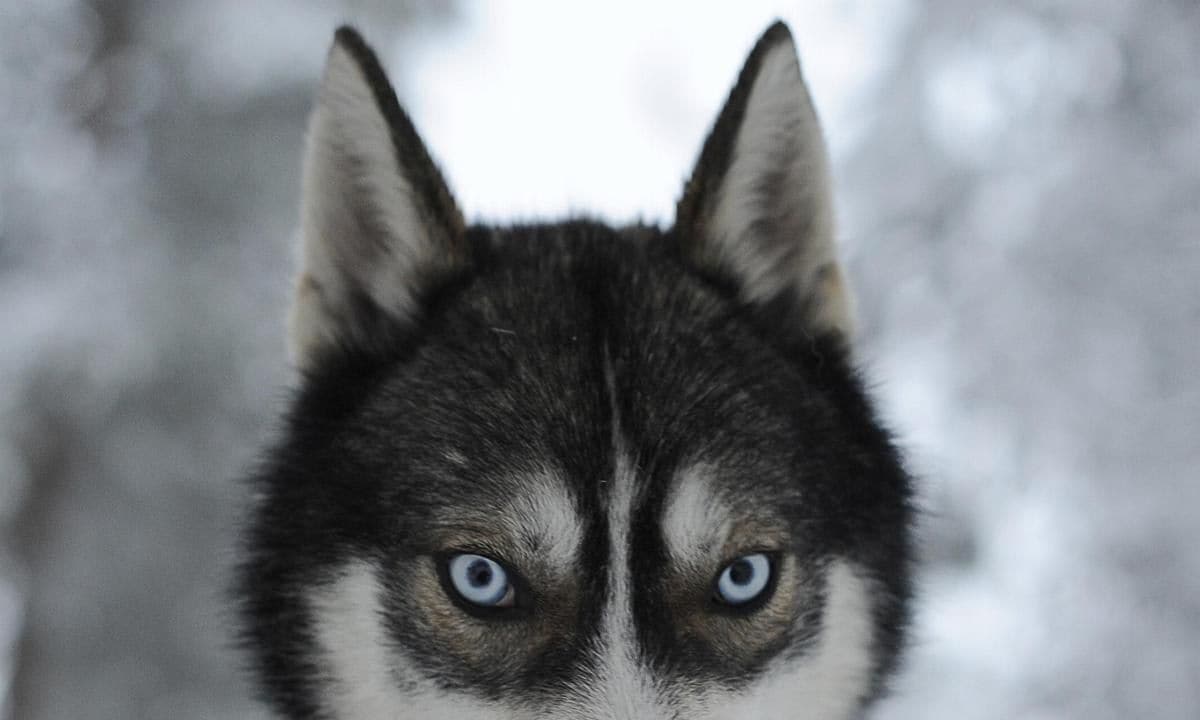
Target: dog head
(568, 470)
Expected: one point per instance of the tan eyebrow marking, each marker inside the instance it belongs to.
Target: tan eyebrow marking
(697, 520)
(702, 528)
(537, 524)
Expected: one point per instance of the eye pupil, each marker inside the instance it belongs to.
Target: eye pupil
(741, 572)
(480, 573)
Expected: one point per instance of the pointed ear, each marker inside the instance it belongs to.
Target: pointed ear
(757, 211)
(380, 228)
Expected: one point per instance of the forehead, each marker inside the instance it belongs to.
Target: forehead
(574, 337)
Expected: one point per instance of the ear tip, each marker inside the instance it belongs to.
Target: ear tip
(348, 41)
(351, 51)
(778, 33)
(348, 37)
(775, 48)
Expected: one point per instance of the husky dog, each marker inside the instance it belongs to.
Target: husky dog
(569, 470)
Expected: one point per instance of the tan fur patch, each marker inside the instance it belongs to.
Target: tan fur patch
(536, 533)
(482, 643)
(834, 302)
(689, 591)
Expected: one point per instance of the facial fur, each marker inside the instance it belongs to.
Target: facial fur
(614, 415)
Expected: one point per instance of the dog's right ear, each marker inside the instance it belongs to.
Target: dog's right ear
(379, 225)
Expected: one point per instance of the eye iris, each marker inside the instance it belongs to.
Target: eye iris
(744, 579)
(479, 580)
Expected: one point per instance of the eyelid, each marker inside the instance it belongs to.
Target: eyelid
(771, 552)
(510, 597)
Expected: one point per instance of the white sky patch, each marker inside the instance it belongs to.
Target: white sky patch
(538, 108)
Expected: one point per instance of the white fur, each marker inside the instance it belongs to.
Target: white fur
(543, 516)
(780, 130)
(359, 684)
(351, 170)
(367, 678)
(621, 688)
(696, 521)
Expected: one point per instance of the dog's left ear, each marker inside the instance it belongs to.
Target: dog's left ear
(757, 211)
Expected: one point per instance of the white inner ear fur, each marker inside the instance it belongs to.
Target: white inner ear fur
(780, 136)
(361, 230)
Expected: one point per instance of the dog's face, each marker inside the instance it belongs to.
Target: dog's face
(571, 471)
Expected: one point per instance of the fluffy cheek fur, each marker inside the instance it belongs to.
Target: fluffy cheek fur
(828, 681)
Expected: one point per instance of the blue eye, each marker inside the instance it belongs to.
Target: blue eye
(480, 581)
(744, 579)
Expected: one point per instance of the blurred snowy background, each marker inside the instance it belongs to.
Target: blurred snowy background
(1020, 201)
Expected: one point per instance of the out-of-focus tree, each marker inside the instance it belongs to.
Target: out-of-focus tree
(147, 201)
(1024, 215)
